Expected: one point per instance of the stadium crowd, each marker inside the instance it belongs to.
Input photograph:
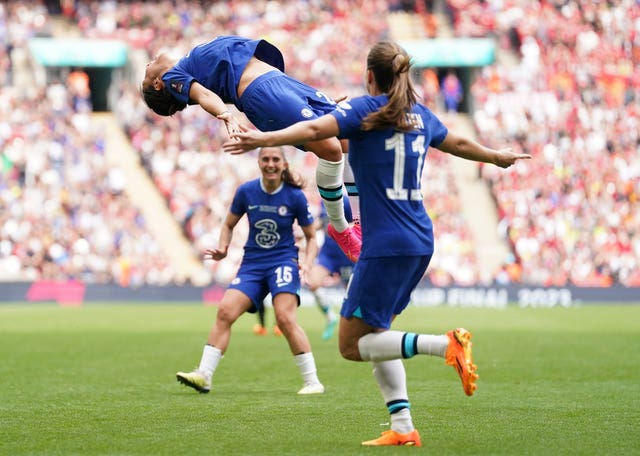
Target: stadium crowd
(568, 214)
(64, 213)
(572, 101)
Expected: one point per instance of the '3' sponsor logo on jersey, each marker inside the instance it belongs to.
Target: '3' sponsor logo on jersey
(267, 236)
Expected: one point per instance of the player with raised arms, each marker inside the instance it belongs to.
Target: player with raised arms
(250, 75)
(389, 135)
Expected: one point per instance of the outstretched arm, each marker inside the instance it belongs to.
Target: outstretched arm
(299, 133)
(471, 150)
(225, 238)
(213, 104)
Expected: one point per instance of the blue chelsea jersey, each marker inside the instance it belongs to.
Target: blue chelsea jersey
(271, 217)
(218, 66)
(387, 166)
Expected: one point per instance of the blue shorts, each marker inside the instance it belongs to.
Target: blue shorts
(274, 101)
(257, 281)
(381, 288)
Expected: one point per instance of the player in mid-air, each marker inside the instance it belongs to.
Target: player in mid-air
(389, 135)
(270, 264)
(250, 75)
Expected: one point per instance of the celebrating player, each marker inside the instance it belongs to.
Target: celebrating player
(269, 265)
(250, 75)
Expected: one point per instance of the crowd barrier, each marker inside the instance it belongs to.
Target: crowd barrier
(74, 293)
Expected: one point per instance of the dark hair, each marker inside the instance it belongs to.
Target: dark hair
(161, 102)
(390, 65)
(293, 179)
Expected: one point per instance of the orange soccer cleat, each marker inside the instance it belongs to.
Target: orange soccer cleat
(459, 356)
(259, 330)
(393, 438)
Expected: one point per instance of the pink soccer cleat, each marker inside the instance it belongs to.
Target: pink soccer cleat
(349, 241)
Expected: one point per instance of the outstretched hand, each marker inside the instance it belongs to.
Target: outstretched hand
(244, 141)
(215, 254)
(506, 157)
(230, 121)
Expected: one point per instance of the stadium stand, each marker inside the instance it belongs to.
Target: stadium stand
(572, 101)
(64, 213)
(569, 218)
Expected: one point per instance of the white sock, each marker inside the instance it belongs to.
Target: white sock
(211, 356)
(329, 182)
(381, 346)
(331, 315)
(352, 191)
(307, 366)
(391, 378)
(397, 344)
(433, 345)
(324, 308)
(401, 421)
(392, 381)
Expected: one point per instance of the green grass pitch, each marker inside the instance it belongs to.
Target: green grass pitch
(100, 380)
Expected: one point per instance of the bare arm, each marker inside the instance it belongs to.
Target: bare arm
(226, 232)
(470, 150)
(311, 247)
(299, 133)
(213, 104)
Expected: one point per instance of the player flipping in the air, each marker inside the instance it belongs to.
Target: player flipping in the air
(250, 75)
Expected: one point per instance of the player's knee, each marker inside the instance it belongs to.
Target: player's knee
(329, 149)
(285, 320)
(224, 316)
(349, 351)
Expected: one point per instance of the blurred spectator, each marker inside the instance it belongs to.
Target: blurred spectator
(451, 88)
(431, 89)
(79, 91)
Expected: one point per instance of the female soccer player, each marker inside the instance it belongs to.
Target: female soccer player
(250, 75)
(270, 265)
(389, 135)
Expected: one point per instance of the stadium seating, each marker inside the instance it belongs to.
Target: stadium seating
(570, 97)
(572, 101)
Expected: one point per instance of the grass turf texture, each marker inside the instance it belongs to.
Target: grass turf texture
(101, 380)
